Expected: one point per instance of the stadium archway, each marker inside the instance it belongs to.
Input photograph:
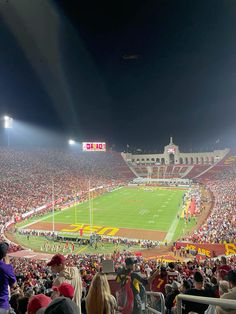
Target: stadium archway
(171, 159)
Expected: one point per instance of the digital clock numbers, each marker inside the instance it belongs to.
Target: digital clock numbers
(94, 147)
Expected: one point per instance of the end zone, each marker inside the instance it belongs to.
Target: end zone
(101, 230)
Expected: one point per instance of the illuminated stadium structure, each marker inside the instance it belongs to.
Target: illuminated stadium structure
(27, 192)
(172, 163)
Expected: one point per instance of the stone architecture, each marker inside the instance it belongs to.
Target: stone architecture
(173, 156)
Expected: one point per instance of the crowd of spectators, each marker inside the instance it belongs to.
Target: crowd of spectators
(26, 176)
(34, 278)
(29, 177)
(26, 183)
(220, 226)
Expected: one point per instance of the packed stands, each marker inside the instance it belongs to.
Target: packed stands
(221, 168)
(221, 224)
(26, 182)
(26, 176)
(160, 171)
(35, 277)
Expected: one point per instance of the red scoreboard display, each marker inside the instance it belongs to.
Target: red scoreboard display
(171, 150)
(94, 147)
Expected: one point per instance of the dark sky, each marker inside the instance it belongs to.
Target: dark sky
(63, 68)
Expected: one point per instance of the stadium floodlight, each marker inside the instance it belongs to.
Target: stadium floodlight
(71, 142)
(8, 122)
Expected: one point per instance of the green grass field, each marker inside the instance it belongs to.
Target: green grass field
(138, 208)
(154, 208)
(35, 243)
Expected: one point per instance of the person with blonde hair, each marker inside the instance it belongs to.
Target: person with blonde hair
(99, 299)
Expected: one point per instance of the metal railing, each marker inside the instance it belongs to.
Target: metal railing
(149, 307)
(229, 304)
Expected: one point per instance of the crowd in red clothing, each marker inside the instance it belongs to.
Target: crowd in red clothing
(29, 176)
(26, 176)
(221, 224)
(34, 276)
(26, 183)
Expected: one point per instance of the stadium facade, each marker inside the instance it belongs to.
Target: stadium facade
(173, 156)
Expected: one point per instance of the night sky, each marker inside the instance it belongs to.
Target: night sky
(127, 72)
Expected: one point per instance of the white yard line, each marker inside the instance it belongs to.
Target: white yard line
(38, 220)
(173, 227)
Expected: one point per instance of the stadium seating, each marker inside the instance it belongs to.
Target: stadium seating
(160, 171)
(26, 176)
(35, 277)
(220, 225)
(196, 170)
(26, 182)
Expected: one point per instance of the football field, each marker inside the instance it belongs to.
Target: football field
(133, 212)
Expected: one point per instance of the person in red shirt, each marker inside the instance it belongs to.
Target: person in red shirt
(159, 281)
(224, 267)
(157, 284)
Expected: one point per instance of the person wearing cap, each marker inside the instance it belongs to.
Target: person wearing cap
(7, 278)
(65, 290)
(136, 282)
(38, 303)
(67, 274)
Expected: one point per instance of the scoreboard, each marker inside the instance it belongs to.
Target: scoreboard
(94, 146)
(171, 150)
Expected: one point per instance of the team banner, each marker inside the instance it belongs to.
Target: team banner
(208, 249)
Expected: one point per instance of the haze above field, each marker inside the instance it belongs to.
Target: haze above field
(126, 72)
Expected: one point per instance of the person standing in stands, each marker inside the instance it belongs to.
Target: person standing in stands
(159, 280)
(231, 295)
(199, 291)
(128, 278)
(224, 266)
(170, 297)
(172, 273)
(7, 278)
(99, 299)
(67, 274)
(157, 284)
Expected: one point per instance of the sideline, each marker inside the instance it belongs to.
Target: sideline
(65, 209)
(38, 220)
(173, 227)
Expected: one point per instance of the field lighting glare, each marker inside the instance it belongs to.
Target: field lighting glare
(7, 122)
(71, 142)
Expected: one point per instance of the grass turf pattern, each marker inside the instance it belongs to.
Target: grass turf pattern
(147, 208)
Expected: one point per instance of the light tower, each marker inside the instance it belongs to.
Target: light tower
(71, 142)
(8, 123)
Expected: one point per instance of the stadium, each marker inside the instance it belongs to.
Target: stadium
(95, 198)
(96, 203)
(117, 157)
